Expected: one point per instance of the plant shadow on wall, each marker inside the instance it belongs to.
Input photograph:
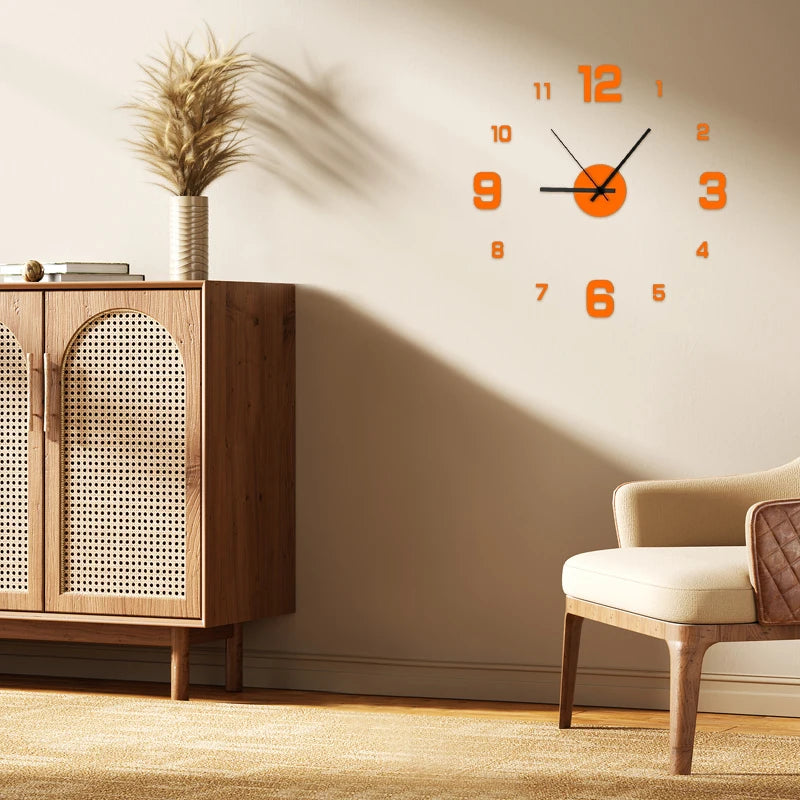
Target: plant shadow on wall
(302, 134)
(434, 515)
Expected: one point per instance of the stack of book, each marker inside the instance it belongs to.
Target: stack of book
(63, 271)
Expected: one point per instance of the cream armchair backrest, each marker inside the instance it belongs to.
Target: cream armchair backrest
(697, 512)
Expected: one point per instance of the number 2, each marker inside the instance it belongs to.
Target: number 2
(702, 131)
(492, 191)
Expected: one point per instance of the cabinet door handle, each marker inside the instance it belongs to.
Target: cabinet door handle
(46, 410)
(28, 360)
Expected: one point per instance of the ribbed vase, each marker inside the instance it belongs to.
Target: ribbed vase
(188, 238)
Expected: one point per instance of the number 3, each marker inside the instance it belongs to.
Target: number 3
(718, 190)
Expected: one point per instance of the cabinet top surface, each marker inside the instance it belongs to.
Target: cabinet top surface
(56, 286)
(127, 286)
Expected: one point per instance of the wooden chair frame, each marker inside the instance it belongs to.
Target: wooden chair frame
(687, 645)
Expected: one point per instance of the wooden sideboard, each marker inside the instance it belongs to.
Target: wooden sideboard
(147, 480)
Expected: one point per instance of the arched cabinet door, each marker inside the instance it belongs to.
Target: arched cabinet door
(21, 553)
(123, 442)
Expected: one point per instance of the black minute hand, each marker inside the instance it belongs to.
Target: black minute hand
(617, 168)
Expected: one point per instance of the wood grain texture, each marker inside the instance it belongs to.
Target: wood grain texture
(179, 664)
(687, 645)
(82, 286)
(179, 313)
(569, 667)
(729, 632)
(685, 667)
(233, 659)
(109, 619)
(22, 314)
(249, 446)
(57, 630)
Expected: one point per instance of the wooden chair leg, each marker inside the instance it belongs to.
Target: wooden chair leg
(569, 667)
(685, 666)
(233, 660)
(179, 683)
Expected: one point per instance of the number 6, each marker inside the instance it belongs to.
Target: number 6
(599, 305)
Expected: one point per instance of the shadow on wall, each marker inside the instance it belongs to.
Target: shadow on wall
(303, 135)
(433, 515)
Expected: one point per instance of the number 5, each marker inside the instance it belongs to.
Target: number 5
(718, 190)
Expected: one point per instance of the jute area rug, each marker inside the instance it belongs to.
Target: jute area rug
(72, 746)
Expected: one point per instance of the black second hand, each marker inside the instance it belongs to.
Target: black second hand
(583, 169)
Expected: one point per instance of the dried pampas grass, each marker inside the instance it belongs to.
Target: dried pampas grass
(191, 115)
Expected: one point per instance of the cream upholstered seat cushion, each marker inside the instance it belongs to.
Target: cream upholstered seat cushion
(690, 585)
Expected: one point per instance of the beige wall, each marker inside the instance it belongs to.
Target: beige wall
(456, 439)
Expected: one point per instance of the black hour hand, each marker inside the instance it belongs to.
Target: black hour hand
(581, 189)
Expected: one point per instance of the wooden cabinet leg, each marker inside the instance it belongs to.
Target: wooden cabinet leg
(685, 668)
(180, 664)
(569, 667)
(233, 660)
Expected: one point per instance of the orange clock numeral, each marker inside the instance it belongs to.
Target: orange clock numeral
(543, 287)
(486, 197)
(658, 292)
(660, 87)
(497, 250)
(718, 190)
(601, 90)
(502, 133)
(702, 250)
(599, 305)
(538, 87)
(702, 131)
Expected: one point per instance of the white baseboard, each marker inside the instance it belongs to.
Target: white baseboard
(736, 694)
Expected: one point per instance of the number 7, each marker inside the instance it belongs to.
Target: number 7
(543, 287)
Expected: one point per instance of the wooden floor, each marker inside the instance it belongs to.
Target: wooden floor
(582, 716)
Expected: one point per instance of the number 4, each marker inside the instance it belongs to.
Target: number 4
(703, 250)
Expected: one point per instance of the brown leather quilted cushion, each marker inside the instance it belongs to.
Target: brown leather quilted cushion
(774, 539)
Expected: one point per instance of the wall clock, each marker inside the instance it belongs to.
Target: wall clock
(599, 189)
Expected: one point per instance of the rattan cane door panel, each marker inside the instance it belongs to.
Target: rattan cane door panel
(123, 447)
(21, 538)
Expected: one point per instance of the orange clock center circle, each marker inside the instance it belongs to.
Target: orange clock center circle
(604, 205)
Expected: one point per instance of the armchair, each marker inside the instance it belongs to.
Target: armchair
(699, 562)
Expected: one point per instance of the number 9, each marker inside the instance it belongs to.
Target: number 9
(492, 191)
